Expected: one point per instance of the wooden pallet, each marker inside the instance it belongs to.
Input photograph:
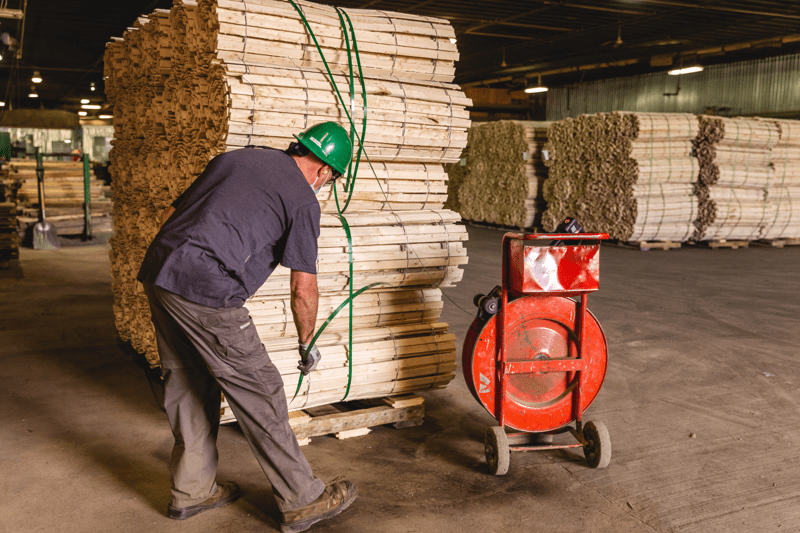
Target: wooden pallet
(489, 225)
(650, 245)
(777, 243)
(723, 243)
(350, 419)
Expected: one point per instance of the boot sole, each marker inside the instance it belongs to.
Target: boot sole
(182, 513)
(302, 525)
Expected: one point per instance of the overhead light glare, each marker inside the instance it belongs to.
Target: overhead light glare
(82, 113)
(36, 77)
(452, 40)
(85, 101)
(92, 87)
(68, 141)
(540, 89)
(107, 117)
(90, 106)
(2, 104)
(687, 70)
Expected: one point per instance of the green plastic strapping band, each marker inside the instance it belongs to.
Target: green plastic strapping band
(333, 315)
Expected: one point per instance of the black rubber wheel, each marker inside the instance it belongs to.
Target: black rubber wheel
(498, 456)
(598, 447)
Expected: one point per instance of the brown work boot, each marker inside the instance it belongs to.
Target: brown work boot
(226, 493)
(338, 495)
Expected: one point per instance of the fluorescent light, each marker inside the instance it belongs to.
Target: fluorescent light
(36, 77)
(85, 101)
(531, 90)
(90, 106)
(106, 116)
(687, 70)
(82, 113)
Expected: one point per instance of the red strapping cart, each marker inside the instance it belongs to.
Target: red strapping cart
(535, 357)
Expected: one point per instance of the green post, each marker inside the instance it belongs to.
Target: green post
(87, 199)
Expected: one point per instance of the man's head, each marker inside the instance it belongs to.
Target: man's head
(323, 153)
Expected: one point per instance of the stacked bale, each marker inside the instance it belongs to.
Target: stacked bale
(9, 238)
(63, 184)
(501, 181)
(783, 193)
(209, 77)
(735, 174)
(630, 175)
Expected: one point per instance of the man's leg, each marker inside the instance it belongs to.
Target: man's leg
(227, 341)
(192, 403)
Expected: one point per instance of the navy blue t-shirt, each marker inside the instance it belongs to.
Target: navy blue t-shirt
(249, 210)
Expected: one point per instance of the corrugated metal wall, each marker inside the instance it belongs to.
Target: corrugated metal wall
(762, 87)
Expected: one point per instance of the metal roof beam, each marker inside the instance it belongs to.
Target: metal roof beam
(722, 8)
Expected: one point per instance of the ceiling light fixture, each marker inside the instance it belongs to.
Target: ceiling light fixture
(82, 113)
(538, 89)
(85, 101)
(2, 104)
(452, 40)
(106, 117)
(687, 70)
(68, 141)
(90, 106)
(36, 77)
(33, 94)
(92, 87)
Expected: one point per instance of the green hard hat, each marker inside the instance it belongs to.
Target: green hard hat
(329, 142)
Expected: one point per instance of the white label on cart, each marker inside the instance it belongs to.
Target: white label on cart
(484, 387)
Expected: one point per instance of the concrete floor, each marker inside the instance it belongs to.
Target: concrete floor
(701, 342)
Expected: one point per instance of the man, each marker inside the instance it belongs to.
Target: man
(250, 210)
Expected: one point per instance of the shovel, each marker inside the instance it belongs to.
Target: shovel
(45, 236)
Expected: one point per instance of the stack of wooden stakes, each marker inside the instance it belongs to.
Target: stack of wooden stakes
(9, 239)
(213, 76)
(63, 184)
(500, 180)
(630, 175)
(783, 191)
(735, 174)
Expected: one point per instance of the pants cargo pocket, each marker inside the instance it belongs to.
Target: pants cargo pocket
(238, 343)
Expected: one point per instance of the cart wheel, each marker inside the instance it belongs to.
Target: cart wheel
(598, 449)
(498, 456)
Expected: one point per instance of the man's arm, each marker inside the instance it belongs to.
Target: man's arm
(305, 299)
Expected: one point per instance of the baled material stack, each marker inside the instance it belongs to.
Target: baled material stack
(214, 76)
(63, 184)
(501, 182)
(630, 175)
(735, 174)
(783, 193)
(9, 238)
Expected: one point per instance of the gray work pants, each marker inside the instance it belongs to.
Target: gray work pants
(203, 350)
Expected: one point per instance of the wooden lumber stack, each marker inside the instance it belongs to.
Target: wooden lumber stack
(630, 175)
(9, 238)
(735, 175)
(501, 182)
(783, 192)
(63, 184)
(213, 76)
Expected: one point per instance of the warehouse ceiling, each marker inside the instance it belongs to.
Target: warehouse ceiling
(503, 43)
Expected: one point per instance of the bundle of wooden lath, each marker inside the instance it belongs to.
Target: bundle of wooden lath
(63, 184)
(630, 175)
(499, 181)
(212, 76)
(9, 239)
(749, 170)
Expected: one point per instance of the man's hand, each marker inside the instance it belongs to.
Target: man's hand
(309, 359)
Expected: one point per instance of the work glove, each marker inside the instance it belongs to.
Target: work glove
(309, 359)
